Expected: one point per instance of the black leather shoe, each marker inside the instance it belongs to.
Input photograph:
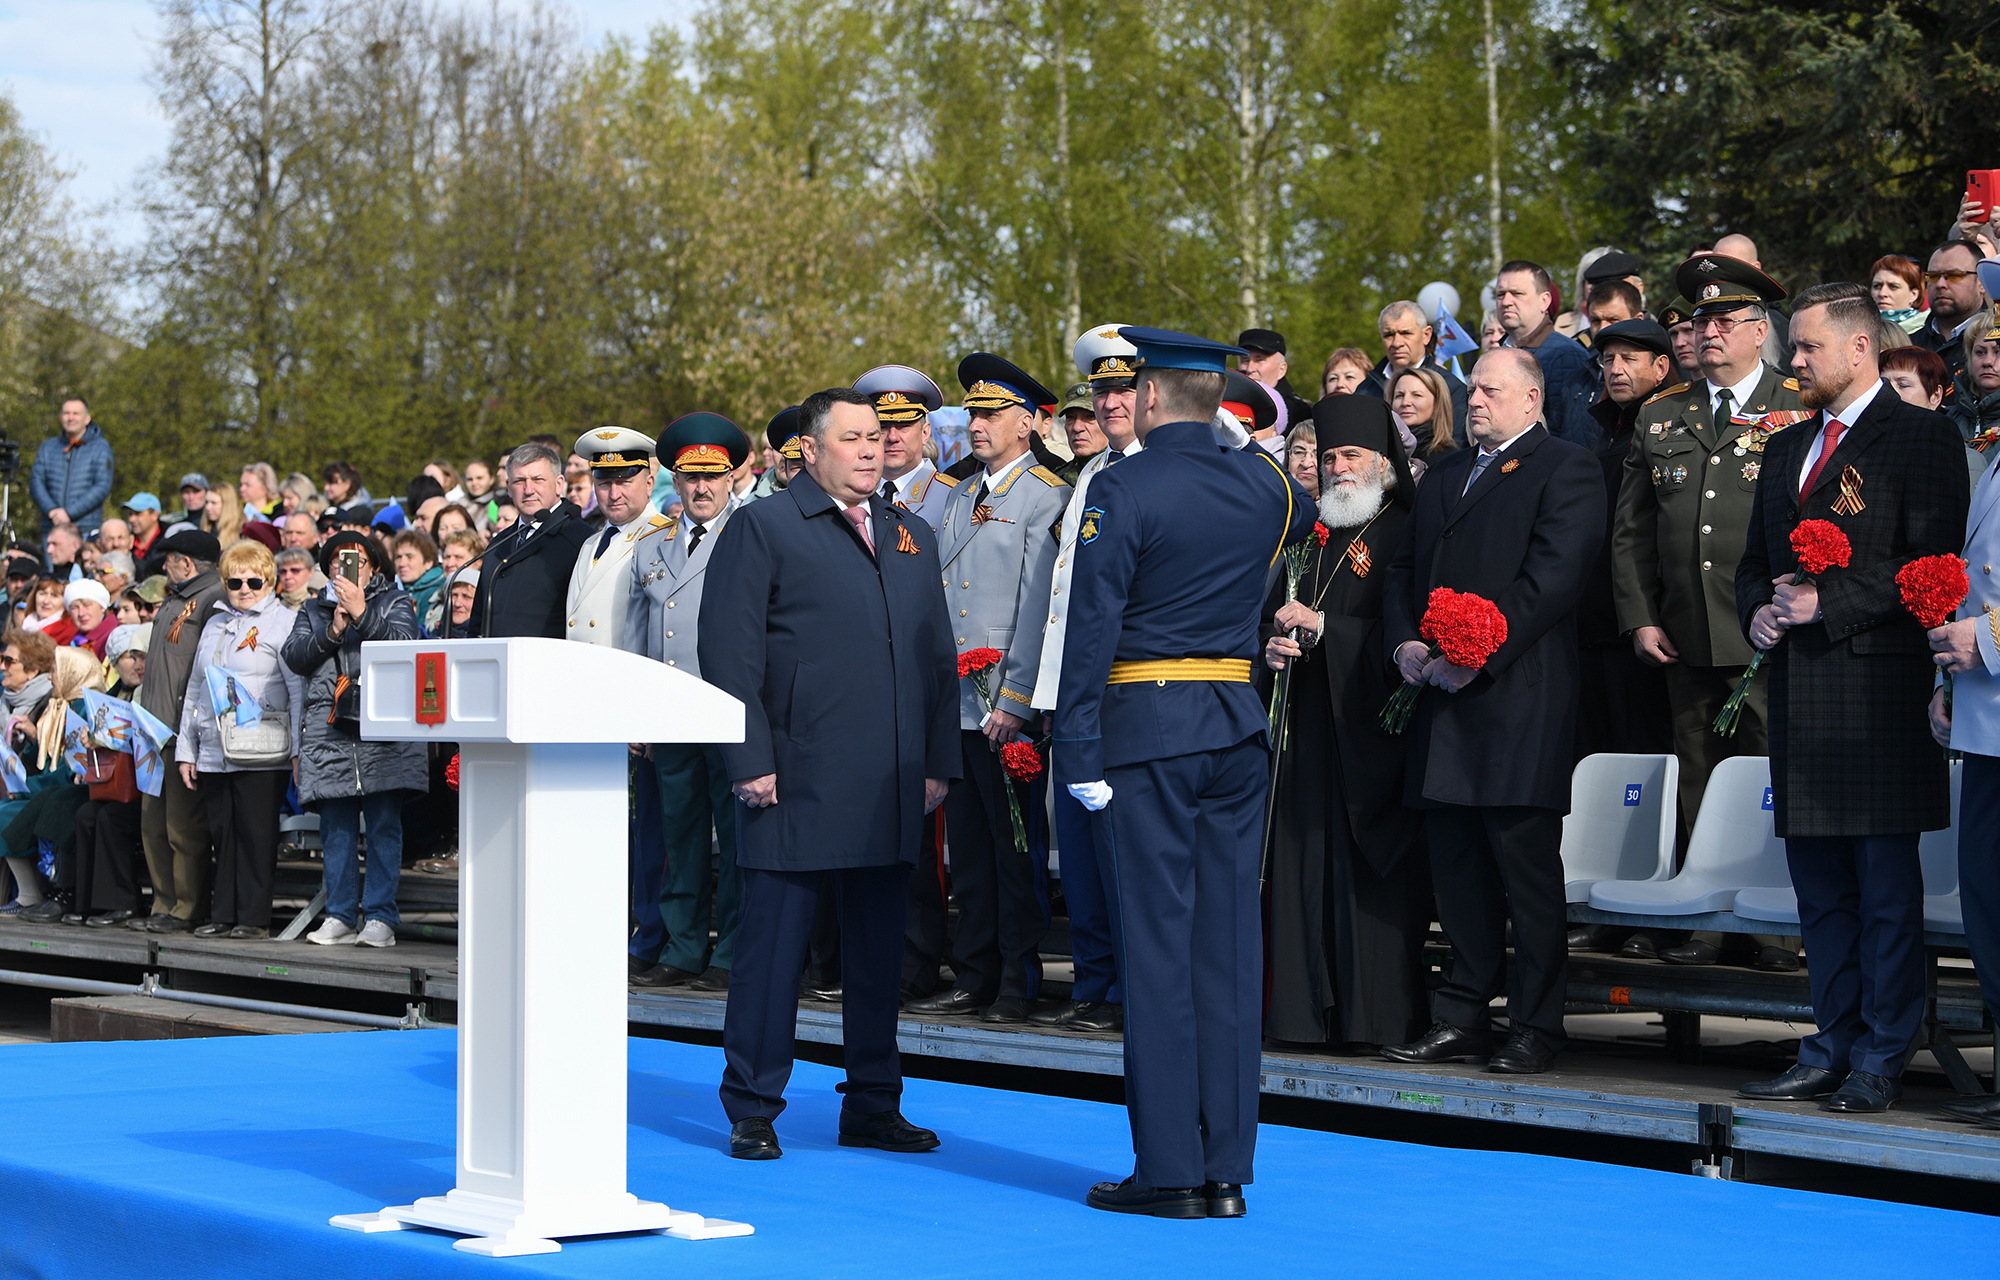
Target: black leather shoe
(1527, 1053)
(711, 979)
(952, 1003)
(1224, 1200)
(1980, 1110)
(1444, 1043)
(1799, 1084)
(1056, 1015)
(169, 924)
(1862, 1093)
(248, 933)
(106, 919)
(662, 975)
(1583, 937)
(145, 924)
(1006, 1009)
(754, 1139)
(47, 911)
(883, 1130)
(1640, 946)
(213, 929)
(1692, 952)
(1775, 960)
(1159, 1202)
(634, 966)
(1099, 1016)
(824, 992)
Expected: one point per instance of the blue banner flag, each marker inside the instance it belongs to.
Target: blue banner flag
(76, 740)
(1452, 339)
(227, 695)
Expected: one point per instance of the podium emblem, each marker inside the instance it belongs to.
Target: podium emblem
(430, 688)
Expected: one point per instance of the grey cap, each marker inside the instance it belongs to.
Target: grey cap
(194, 480)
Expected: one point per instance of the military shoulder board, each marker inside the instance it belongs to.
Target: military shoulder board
(1664, 392)
(1048, 477)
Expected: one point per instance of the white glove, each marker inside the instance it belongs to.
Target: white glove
(1229, 431)
(1093, 795)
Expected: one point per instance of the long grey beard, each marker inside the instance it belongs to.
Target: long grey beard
(1344, 506)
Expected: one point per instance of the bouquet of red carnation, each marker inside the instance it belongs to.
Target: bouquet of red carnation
(1466, 628)
(1023, 761)
(1933, 587)
(451, 774)
(978, 664)
(1819, 545)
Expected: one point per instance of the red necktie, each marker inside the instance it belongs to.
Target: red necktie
(858, 517)
(1826, 448)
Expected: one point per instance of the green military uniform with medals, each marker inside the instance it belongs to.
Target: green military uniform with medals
(1683, 514)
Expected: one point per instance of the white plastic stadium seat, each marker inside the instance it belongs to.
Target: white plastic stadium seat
(1621, 821)
(1939, 852)
(1732, 849)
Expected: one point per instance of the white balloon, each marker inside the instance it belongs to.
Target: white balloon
(1434, 293)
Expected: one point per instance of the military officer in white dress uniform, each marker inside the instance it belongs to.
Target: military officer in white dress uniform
(904, 399)
(621, 471)
(998, 547)
(664, 582)
(1096, 1000)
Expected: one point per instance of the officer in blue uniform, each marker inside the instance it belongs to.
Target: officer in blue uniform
(1158, 720)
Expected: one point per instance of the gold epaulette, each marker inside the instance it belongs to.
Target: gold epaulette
(944, 479)
(658, 523)
(1048, 477)
(1664, 392)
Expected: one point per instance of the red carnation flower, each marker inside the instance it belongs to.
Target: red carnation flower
(1321, 533)
(977, 660)
(451, 774)
(1021, 760)
(1933, 587)
(1820, 545)
(1466, 628)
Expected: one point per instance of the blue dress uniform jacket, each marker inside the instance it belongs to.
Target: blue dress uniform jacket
(846, 666)
(997, 571)
(1525, 537)
(665, 585)
(1171, 563)
(1163, 527)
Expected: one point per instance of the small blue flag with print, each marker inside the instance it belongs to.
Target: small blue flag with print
(110, 720)
(226, 694)
(76, 740)
(149, 739)
(1452, 339)
(12, 770)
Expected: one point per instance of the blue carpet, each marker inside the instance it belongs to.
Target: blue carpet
(226, 1157)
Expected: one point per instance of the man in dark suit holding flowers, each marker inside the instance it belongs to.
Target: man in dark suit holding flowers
(1855, 777)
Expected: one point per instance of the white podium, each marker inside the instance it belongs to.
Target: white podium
(542, 727)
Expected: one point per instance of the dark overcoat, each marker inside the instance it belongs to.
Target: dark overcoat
(1851, 750)
(847, 673)
(528, 580)
(1525, 537)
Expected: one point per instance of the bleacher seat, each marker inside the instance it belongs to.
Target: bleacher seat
(1621, 821)
(1939, 853)
(1733, 848)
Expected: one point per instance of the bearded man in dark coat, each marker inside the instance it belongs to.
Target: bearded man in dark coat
(1349, 897)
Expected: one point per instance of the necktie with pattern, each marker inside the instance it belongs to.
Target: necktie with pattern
(858, 517)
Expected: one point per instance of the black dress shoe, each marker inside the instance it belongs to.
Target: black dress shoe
(106, 919)
(1979, 1110)
(1056, 1015)
(1583, 937)
(883, 1130)
(213, 929)
(47, 911)
(1159, 1202)
(1527, 1053)
(248, 933)
(1006, 1009)
(754, 1139)
(72, 917)
(1862, 1093)
(1224, 1200)
(634, 966)
(1775, 960)
(662, 975)
(169, 924)
(1694, 951)
(1099, 1016)
(824, 992)
(952, 1003)
(711, 979)
(1799, 1084)
(1444, 1043)
(1640, 946)
(145, 924)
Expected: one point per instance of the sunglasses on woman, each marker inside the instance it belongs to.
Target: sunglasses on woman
(238, 584)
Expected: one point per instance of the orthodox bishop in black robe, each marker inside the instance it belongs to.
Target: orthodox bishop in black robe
(1348, 902)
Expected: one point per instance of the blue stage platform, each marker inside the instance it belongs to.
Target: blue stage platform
(225, 1157)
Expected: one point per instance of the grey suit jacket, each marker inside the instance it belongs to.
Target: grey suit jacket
(665, 593)
(997, 575)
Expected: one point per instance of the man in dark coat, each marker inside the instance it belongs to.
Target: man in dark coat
(524, 581)
(1349, 894)
(1516, 521)
(1855, 777)
(824, 613)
